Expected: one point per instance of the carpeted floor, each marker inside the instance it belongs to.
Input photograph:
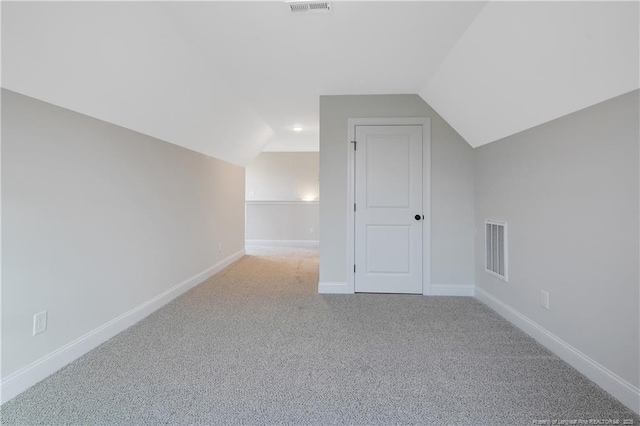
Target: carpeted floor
(255, 344)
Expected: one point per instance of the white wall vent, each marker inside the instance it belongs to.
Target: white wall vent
(495, 236)
(309, 6)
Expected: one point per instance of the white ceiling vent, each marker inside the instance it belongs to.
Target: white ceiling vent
(299, 7)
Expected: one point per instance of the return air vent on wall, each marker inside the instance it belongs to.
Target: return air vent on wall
(309, 6)
(496, 249)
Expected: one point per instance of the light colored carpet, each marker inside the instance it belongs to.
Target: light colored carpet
(255, 344)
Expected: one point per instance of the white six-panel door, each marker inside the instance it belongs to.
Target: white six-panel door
(388, 209)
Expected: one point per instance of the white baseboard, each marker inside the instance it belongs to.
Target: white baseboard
(334, 288)
(23, 379)
(452, 290)
(435, 289)
(624, 391)
(282, 243)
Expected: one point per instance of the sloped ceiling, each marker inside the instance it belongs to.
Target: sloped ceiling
(282, 63)
(127, 64)
(520, 64)
(230, 79)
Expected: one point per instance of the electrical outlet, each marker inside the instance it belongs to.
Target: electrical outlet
(312, 230)
(40, 322)
(544, 299)
(220, 247)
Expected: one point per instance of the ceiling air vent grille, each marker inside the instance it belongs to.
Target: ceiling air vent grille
(309, 6)
(496, 249)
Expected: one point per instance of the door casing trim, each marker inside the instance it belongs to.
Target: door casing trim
(425, 122)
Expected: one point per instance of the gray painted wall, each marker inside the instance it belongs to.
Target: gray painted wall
(451, 188)
(277, 182)
(569, 190)
(97, 219)
(283, 176)
(282, 222)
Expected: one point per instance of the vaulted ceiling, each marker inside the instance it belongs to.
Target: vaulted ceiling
(230, 79)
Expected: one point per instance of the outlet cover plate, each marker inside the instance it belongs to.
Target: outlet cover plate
(544, 299)
(40, 322)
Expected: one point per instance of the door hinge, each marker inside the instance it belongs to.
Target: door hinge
(354, 207)
(354, 269)
(355, 144)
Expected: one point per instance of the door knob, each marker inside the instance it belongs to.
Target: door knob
(418, 217)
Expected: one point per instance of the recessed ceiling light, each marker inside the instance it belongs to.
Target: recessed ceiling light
(297, 129)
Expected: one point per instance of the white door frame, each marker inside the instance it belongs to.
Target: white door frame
(425, 122)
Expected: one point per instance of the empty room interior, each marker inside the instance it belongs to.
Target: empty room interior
(314, 213)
